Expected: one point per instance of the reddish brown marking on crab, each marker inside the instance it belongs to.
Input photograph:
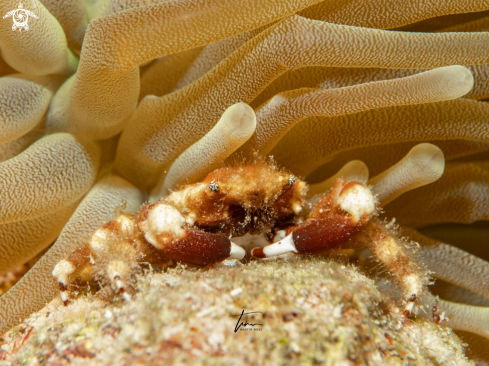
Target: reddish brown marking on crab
(438, 317)
(347, 185)
(25, 337)
(258, 253)
(318, 235)
(80, 255)
(112, 226)
(199, 248)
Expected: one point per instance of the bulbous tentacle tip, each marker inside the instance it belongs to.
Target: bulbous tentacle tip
(236, 125)
(241, 118)
(460, 80)
(424, 164)
(354, 170)
(430, 158)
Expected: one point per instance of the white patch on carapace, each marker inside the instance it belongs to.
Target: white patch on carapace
(357, 200)
(62, 270)
(184, 198)
(163, 219)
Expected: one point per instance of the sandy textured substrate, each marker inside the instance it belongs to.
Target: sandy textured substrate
(311, 311)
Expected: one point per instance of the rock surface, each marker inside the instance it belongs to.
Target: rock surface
(309, 311)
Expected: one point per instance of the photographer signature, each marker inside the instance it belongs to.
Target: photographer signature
(245, 323)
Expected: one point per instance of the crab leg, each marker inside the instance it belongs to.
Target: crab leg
(65, 268)
(336, 219)
(344, 214)
(399, 257)
(116, 248)
(115, 240)
(165, 228)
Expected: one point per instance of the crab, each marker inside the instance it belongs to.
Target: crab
(211, 221)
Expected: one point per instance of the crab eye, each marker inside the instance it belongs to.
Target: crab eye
(213, 186)
(291, 180)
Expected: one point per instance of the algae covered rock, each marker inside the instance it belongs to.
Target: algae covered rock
(304, 311)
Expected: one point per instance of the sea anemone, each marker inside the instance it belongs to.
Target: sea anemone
(92, 117)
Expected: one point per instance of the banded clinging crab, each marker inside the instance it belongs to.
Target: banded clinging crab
(199, 224)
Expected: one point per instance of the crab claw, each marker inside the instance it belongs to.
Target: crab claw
(286, 245)
(165, 228)
(236, 252)
(336, 219)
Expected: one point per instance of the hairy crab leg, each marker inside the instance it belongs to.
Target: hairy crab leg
(462, 269)
(399, 257)
(113, 251)
(37, 287)
(66, 267)
(112, 248)
(340, 216)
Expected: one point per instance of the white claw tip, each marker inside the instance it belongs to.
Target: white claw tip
(286, 245)
(236, 252)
